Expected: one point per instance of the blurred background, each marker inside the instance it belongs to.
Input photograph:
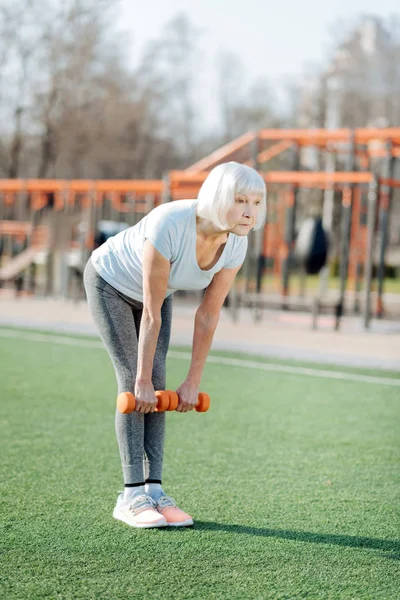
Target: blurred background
(110, 107)
(127, 90)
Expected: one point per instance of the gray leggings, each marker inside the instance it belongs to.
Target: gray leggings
(140, 436)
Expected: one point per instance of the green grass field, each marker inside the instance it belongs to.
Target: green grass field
(292, 480)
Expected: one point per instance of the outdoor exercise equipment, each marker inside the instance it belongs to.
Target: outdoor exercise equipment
(359, 208)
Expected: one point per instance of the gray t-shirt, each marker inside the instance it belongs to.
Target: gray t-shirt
(171, 228)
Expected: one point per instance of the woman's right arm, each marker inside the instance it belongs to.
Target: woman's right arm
(156, 269)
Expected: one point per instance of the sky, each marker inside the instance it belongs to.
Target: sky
(278, 40)
(275, 38)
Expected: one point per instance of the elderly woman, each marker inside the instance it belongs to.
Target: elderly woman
(130, 281)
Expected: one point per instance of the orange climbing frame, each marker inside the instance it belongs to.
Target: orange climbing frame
(253, 148)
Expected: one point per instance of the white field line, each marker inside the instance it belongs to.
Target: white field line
(231, 362)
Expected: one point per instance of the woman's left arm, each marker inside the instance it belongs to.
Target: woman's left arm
(205, 323)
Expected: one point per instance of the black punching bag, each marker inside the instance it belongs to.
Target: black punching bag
(311, 248)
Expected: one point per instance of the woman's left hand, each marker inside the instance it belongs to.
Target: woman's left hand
(188, 396)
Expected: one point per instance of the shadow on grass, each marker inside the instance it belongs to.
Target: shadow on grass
(305, 536)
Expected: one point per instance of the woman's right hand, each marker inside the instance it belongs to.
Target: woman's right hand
(146, 400)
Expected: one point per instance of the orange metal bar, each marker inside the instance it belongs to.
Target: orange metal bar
(390, 182)
(41, 185)
(15, 227)
(10, 185)
(66, 191)
(384, 199)
(274, 150)
(80, 185)
(306, 135)
(39, 200)
(305, 177)
(362, 136)
(52, 185)
(346, 196)
(147, 186)
(217, 156)
(181, 178)
(71, 197)
(323, 136)
(185, 193)
(9, 198)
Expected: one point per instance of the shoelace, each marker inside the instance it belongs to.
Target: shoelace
(165, 501)
(141, 503)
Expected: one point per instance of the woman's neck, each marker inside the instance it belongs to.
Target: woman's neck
(209, 233)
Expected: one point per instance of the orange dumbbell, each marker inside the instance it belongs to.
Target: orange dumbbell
(166, 400)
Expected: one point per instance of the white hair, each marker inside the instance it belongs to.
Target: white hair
(221, 187)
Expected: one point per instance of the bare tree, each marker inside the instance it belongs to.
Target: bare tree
(168, 72)
(231, 82)
(71, 107)
(242, 107)
(365, 71)
(18, 43)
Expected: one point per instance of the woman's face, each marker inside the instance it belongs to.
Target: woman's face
(242, 217)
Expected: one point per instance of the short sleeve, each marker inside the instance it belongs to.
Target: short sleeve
(238, 253)
(160, 231)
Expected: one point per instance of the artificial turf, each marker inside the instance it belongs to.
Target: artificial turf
(292, 481)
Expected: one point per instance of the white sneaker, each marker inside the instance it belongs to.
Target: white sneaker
(138, 512)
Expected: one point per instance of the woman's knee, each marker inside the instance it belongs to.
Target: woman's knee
(126, 382)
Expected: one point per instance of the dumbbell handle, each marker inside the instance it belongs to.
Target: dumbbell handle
(203, 401)
(166, 400)
(126, 402)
